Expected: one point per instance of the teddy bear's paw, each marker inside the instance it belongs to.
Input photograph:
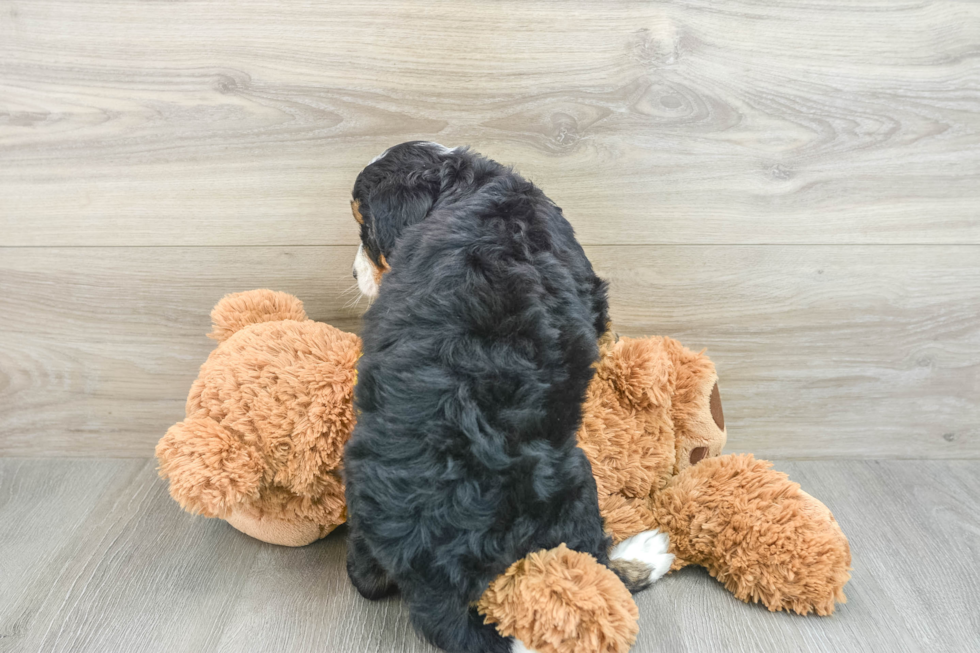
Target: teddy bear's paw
(521, 647)
(648, 547)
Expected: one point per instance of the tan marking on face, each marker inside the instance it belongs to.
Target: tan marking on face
(355, 208)
(379, 271)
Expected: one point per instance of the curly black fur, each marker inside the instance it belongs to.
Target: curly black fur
(477, 355)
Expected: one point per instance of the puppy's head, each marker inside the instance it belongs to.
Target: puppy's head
(395, 191)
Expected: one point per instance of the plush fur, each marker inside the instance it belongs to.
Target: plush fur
(585, 606)
(477, 354)
(653, 431)
(647, 410)
(267, 419)
(758, 533)
(650, 407)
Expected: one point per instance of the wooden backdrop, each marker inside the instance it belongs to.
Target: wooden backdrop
(795, 186)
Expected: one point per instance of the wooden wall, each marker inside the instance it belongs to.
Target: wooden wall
(795, 186)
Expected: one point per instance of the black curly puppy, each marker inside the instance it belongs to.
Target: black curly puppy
(477, 353)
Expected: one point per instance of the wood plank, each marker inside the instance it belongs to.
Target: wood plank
(46, 506)
(99, 346)
(824, 352)
(141, 575)
(648, 122)
(132, 572)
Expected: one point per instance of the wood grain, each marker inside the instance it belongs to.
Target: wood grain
(823, 352)
(47, 508)
(98, 346)
(795, 186)
(96, 557)
(196, 123)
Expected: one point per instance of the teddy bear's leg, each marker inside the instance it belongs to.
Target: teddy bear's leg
(757, 532)
(561, 601)
(365, 572)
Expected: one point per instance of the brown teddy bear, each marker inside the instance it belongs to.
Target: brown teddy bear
(653, 428)
(269, 414)
(267, 420)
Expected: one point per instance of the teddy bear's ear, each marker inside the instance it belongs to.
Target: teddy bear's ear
(210, 470)
(239, 310)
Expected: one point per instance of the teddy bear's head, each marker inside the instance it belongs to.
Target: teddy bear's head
(695, 407)
(267, 419)
(653, 409)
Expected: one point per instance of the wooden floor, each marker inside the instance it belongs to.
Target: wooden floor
(793, 185)
(94, 556)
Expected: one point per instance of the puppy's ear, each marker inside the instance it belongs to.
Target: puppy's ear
(400, 202)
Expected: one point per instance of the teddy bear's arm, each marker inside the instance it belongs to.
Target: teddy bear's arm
(210, 470)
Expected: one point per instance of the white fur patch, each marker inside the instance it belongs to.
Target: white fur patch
(365, 274)
(436, 146)
(521, 647)
(650, 548)
(380, 156)
(439, 146)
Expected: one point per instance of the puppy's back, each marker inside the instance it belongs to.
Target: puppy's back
(487, 320)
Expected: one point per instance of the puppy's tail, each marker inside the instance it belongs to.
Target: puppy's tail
(641, 560)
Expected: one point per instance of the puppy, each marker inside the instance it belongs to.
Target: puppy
(478, 350)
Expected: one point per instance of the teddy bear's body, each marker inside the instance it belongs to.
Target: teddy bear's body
(267, 419)
(268, 416)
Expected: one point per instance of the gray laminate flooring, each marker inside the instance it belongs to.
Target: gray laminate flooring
(95, 556)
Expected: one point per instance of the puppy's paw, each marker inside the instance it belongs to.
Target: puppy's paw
(648, 547)
(521, 647)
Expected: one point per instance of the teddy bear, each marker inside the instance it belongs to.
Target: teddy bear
(267, 418)
(653, 428)
(266, 422)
